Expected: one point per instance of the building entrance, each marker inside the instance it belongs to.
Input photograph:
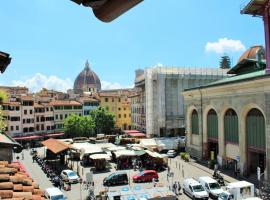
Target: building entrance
(212, 149)
(255, 160)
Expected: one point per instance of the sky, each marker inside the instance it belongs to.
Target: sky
(50, 40)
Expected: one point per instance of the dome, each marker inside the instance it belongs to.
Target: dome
(252, 53)
(87, 81)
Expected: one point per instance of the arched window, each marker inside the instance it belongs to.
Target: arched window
(255, 128)
(194, 123)
(231, 126)
(212, 124)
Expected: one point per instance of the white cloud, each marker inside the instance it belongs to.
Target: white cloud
(105, 85)
(225, 45)
(39, 81)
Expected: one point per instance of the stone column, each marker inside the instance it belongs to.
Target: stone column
(242, 145)
(267, 132)
(221, 136)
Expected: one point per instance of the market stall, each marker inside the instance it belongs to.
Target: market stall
(100, 161)
(154, 160)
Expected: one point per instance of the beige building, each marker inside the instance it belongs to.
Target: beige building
(14, 91)
(39, 118)
(12, 113)
(62, 109)
(49, 118)
(118, 103)
(28, 117)
(230, 119)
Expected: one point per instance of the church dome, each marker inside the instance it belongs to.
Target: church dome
(87, 81)
(253, 53)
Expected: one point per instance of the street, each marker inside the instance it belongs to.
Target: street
(178, 167)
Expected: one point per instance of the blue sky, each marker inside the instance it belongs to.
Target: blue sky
(50, 40)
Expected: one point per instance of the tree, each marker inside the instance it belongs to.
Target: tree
(77, 126)
(3, 124)
(104, 120)
(225, 62)
(3, 96)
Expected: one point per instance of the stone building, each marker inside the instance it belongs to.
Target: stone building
(138, 102)
(118, 103)
(162, 101)
(87, 81)
(229, 118)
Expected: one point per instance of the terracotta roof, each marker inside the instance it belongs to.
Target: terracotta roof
(55, 146)
(14, 103)
(62, 103)
(251, 53)
(17, 183)
(27, 98)
(88, 99)
(36, 105)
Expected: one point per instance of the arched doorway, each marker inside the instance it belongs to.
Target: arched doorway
(195, 122)
(255, 134)
(231, 135)
(212, 133)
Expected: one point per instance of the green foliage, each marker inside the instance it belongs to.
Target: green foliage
(225, 62)
(104, 120)
(184, 156)
(2, 121)
(79, 126)
(3, 96)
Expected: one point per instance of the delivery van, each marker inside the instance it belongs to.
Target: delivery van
(54, 194)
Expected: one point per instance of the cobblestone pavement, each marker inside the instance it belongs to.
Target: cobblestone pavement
(179, 168)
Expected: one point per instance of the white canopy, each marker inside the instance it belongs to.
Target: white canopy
(154, 154)
(116, 148)
(106, 145)
(86, 148)
(100, 156)
(148, 143)
(124, 153)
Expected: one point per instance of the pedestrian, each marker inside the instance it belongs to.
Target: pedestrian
(174, 187)
(33, 158)
(179, 188)
(154, 182)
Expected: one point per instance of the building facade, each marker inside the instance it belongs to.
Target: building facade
(138, 103)
(62, 109)
(161, 102)
(118, 103)
(230, 118)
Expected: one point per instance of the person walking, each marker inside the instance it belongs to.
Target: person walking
(179, 188)
(174, 187)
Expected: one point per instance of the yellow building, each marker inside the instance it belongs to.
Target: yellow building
(118, 103)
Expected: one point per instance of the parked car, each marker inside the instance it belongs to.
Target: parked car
(70, 176)
(211, 186)
(171, 153)
(117, 178)
(54, 194)
(145, 176)
(194, 189)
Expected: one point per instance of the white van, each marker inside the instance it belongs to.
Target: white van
(238, 191)
(194, 189)
(211, 186)
(54, 194)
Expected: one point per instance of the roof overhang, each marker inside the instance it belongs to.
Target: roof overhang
(4, 61)
(255, 7)
(108, 10)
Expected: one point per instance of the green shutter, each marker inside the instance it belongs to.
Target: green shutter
(255, 128)
(195, 123)
(212, 124)
(231, 126)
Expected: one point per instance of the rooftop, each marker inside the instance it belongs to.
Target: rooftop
(65, 102)
(254, 7)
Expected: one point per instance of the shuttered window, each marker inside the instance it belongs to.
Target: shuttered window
(231, 126)
(194, 123)
(212, 124)
(255, 128)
